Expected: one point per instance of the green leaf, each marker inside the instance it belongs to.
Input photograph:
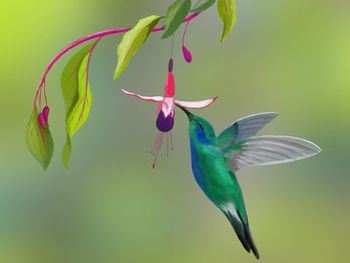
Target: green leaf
(77, 96)
(177, 12)
(202, 6)
(39, 141)
(66, 152)
(132, 41)
(227, 13)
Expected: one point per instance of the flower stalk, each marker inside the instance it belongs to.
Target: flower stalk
(98, 35)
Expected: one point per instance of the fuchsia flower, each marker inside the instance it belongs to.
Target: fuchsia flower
(166, 112)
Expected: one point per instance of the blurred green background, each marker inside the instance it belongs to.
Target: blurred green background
(288, 56)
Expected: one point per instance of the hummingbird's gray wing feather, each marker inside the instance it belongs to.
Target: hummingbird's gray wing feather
(244, 128)
(266, 150)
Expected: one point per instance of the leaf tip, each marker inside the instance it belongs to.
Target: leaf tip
(44, 166)
(118, 71)
(116, 75)
(66, 152)
(165, 35)
(223, 38)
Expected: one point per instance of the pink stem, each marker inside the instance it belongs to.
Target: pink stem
(45, 96)
(184, 33)
(88, 38)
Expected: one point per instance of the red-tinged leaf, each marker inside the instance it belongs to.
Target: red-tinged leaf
(39, 140)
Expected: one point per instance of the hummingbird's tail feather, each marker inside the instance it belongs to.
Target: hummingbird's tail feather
(243, 232)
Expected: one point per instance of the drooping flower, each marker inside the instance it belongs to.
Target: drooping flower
(165, 110)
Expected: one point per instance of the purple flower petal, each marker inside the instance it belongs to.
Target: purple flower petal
(165, 124)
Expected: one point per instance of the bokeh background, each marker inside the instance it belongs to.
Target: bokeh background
(288, 56)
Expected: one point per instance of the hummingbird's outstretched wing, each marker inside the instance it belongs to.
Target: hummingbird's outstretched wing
(244, 128)
(266, 150)
(240, 149)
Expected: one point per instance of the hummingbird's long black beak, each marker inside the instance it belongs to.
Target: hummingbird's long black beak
(189, 114)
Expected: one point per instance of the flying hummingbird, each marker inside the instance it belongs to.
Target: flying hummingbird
(216, 159)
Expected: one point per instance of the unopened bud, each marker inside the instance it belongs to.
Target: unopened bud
(187, 54)
(46, 112)
(171, 65)
(41, 120)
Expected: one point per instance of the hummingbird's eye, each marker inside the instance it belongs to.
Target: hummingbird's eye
(201, 126)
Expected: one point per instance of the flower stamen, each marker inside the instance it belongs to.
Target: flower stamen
(167, 144)
(171, 141)
(155, 144)
(158, 145)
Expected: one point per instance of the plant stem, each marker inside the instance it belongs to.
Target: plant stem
(82, 40)
(184, 34)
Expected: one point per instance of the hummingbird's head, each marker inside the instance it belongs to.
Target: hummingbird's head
(200, 129)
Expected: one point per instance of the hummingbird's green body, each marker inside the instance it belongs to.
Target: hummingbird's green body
(212, 174)
(216, 180)
(215, 159)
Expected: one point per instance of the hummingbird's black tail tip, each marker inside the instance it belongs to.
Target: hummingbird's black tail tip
(251, 242)
(243, 233)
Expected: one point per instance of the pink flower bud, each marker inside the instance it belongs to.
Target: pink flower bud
(46, 112)
(41, 120)
(187, 54)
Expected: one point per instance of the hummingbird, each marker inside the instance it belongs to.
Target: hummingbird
(216, 159)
